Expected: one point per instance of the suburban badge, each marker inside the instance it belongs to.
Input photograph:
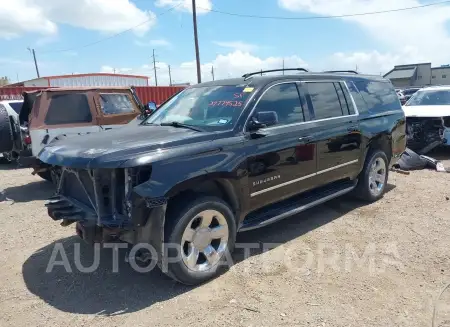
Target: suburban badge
(265, 180)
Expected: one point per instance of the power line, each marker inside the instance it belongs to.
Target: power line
(325, 17)
(112, 36)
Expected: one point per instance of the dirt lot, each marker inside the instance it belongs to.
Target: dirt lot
(341, 264)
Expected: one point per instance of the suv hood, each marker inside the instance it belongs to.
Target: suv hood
(112, 148)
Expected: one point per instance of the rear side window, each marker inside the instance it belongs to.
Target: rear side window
(379, 96)
(357, 97)
(285, 101)
(342, 98)
(68, 109)
(113, 104)
(325, 100)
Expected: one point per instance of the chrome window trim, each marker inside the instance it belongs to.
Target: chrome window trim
(351, 97)
(260, 97)
(303, 178)
(356, 114)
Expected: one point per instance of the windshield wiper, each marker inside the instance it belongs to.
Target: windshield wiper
(181, 125)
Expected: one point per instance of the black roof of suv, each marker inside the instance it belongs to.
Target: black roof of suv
(227, 156)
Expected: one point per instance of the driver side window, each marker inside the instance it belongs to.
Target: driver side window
(284, 100)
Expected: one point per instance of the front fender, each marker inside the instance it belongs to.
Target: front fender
(169, 174)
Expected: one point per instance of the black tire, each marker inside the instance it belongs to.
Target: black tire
(46, 175)
(6, 133)
(362, 190)
(4, 160)
(176, 223)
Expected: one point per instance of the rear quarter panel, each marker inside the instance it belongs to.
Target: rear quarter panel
(381, 117)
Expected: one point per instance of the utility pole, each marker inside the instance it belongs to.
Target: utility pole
(154, 68)
(197, 52)
(212, 72)
(170, 77)
(35, 61)
(283, 66)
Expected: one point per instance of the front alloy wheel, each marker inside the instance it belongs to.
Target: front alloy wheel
(204, 230)
(204, 240)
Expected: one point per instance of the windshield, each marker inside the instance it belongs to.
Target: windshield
(209, 108)
(16, 106)
(430, 98)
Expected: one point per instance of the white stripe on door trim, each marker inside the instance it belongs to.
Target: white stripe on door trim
(303, 178)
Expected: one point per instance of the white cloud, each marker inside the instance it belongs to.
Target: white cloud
(233, 64)
(410, 36)
(18, 17)
(237, 45)
(203, 6)
(153, 43)
(372, 62)
(42, 16)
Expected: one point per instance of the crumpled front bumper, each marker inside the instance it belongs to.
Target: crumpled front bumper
(104, 206)
(425, 133)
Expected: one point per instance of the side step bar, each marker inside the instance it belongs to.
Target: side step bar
(273, 216)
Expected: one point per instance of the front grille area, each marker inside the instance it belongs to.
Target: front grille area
(72, 187)
(103, 197)
(101, 190)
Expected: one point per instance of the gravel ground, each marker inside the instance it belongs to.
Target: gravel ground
(340, 264)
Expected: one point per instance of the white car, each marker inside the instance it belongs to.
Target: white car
(13, 109)
(427, 115)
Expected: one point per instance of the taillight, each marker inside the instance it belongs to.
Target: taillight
(27, 140)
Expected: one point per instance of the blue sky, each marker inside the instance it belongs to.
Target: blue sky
(233, 45)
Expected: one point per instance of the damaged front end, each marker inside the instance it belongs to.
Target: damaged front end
(105, 206)
(425, 133)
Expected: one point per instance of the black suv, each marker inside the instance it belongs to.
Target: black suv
(228, 156)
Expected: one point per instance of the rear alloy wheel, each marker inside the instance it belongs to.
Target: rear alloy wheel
(203, 230)
(373, 179)
(377, 177)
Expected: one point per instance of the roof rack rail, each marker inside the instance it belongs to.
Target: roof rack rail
(275, 70)
(341, 71)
